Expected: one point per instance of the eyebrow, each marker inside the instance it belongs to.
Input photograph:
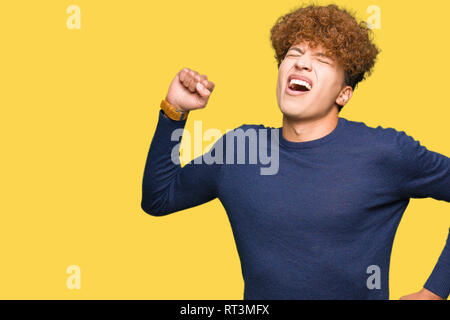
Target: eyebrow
(319, 54)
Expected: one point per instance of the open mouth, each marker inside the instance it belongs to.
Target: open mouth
(297, 87)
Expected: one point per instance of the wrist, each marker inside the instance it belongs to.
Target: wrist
(174, 105)
(172, 112)
(430, 295)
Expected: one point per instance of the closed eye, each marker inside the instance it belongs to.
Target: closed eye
(296, 55)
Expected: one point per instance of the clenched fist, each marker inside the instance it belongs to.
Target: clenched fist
(189, 90)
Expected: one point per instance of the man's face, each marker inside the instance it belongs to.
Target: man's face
(324, 75)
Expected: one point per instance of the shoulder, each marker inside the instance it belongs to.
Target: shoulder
(248, 136)
(247, 126)
(246, 129)
(380, 135)
(386, 145)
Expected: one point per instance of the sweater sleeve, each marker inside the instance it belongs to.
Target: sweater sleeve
(439, 280)
(425, 174)
(166, 186)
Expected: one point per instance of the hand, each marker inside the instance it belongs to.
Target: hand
(423, 294)
(186, 94)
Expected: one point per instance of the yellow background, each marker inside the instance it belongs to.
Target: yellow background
(79, 109)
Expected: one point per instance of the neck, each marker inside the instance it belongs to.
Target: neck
(301, 130)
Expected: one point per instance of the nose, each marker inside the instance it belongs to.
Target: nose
(303, 62)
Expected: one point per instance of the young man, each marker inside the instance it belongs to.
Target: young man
(322, 226)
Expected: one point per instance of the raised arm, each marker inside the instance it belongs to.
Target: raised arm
(167, 187)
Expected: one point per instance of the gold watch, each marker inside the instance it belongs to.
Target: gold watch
(172, 113)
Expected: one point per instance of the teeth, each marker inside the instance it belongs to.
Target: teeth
(300, 82)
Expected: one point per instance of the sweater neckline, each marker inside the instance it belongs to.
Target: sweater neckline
(316, 142)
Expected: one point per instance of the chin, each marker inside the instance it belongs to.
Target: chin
(294, 111)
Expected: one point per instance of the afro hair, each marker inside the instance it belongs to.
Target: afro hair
(335, 29)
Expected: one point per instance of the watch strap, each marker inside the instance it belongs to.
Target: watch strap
(171, 112)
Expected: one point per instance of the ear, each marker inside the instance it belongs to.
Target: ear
(344, 96)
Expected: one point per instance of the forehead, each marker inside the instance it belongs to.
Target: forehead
(319, 51)
(304, 46)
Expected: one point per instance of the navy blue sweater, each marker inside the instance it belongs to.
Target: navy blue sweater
(323, 226)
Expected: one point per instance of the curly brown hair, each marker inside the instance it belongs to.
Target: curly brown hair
(336, 30)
